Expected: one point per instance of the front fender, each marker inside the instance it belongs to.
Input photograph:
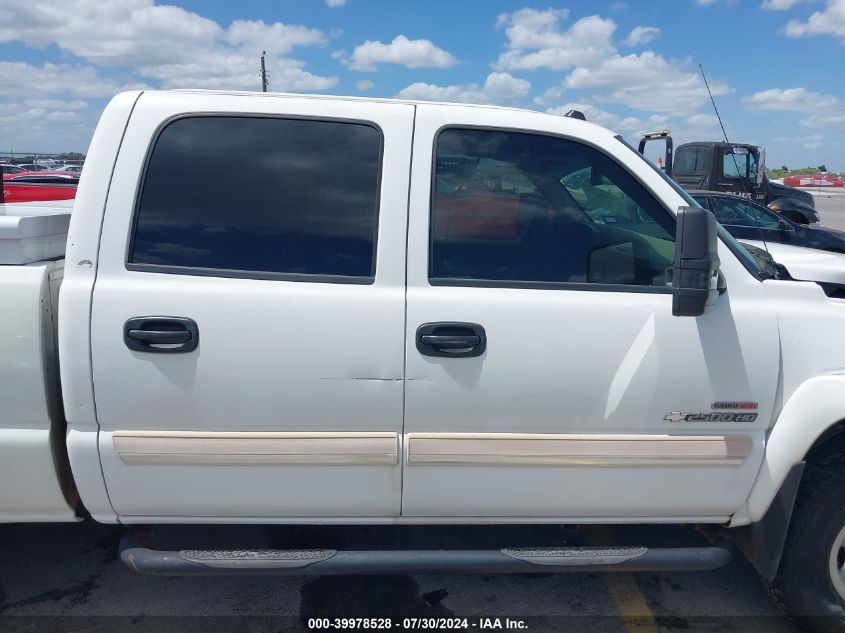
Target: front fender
(815, 406)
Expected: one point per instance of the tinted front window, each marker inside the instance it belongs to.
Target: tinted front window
(518, 207)
(261, 195)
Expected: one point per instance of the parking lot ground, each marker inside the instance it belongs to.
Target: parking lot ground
(69, 578)
(831, 206)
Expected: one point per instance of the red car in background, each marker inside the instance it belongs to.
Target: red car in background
(10, 169)
(819, 180)
(37, 186)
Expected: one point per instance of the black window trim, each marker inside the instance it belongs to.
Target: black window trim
(226, 273)
(530, 285)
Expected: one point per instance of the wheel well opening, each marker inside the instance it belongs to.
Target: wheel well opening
(832, 440)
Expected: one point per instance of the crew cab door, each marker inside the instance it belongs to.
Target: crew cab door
(546, 375)
(736, 171)
(247, 323)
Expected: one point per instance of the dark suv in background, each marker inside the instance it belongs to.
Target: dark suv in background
(748, 220)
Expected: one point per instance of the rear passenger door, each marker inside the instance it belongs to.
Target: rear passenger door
(247, 326)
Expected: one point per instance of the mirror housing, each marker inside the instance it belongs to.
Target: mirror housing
(761, 165)
(695, 271)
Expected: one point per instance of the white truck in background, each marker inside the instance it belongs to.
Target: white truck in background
(403, 313)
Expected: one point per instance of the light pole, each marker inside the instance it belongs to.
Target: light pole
(263, 73)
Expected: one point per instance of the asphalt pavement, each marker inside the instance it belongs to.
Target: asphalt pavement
(831, 206)
(69, 578)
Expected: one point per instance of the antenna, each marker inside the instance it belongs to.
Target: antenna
(713, 101)
(733, 156)
(721, 125)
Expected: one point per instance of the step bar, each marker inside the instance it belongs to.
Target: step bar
(339, 562)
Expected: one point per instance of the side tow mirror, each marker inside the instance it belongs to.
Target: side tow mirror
(694, 276)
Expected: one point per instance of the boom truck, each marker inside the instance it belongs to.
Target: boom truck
(406, 313)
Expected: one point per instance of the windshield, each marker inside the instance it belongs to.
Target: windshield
(735, 247)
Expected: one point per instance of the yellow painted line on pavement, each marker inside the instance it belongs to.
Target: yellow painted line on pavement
(630, 602)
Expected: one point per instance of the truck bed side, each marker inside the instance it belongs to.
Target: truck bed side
(36, 483)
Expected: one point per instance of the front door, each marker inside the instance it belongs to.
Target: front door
(248, 343)
(546, 375)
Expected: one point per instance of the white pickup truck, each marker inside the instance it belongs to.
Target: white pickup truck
(306, 309)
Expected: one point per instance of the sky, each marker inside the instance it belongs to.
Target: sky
(775, 67)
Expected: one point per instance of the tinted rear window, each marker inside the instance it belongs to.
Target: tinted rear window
(260, 196)
(692, 160)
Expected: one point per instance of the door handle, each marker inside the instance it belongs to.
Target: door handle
(161, 335)
(448, 339)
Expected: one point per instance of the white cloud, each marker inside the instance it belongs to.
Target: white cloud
(176, 47)
(823, 110)
(644, 82)
(364, 85)
(497, 87)
(276, 38)
(540, 39)
(109, 33)
(532, 28)
(233, 71)
(505, 86)
(402, 51)
(790, 99)
(57, 104)
(830, 21)
(642, 35)
(128, 44)
(549, 96)
(22, 80)
(779, 5)
(65, 116)
(824, 120)
(695, 127)
(602, 117)
(709, 122)
(29, 126)
(335, 3)
(812, 141)
(536, 40)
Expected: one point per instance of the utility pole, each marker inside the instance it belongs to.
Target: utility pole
(263, 73)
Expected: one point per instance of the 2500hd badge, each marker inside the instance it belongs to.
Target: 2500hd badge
(716, 416)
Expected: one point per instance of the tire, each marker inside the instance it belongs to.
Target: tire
(811, 580)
